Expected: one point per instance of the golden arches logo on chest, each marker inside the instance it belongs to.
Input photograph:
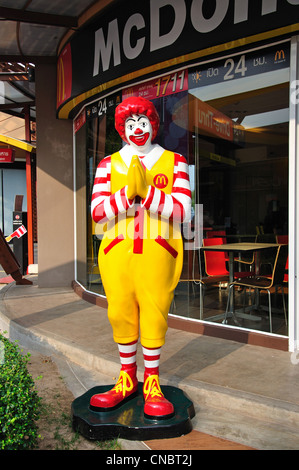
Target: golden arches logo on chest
(160, 181)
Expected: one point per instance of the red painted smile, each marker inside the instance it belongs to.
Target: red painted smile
(139, 139)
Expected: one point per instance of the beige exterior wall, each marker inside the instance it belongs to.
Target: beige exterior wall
(12, 126)
(55, 200)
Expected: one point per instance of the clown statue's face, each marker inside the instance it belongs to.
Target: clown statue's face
(139, 132)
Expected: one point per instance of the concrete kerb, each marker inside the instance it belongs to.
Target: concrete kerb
(50, 344)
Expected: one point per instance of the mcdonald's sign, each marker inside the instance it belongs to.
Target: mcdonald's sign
(279, 56)
(124, 43)
(160, 181)
(64, 75)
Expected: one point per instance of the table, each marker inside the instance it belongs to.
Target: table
(232, 249)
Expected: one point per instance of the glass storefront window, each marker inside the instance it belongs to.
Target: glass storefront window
(238, 123)
(230, 119)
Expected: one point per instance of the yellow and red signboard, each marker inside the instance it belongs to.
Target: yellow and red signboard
(64, 75)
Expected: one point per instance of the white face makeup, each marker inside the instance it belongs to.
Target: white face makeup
(138, 130)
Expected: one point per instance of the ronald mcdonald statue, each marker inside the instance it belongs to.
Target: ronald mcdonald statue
(142, 195)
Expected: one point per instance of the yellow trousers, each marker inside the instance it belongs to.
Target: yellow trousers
(139, 289)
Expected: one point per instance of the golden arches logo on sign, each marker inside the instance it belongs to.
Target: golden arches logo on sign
(279, 55)
(160, 181)
(64, 75)
(60, 81)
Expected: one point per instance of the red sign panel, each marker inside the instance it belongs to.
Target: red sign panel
(80, 121)
(162, 86)
(7, 156)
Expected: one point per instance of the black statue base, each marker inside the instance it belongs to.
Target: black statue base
(128, 421)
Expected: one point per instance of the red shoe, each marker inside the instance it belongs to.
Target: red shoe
(124, 389)
(156, 406)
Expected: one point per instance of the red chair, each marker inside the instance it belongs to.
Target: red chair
(218, 234)
(216, 261)
(215, 268)
(284, 240)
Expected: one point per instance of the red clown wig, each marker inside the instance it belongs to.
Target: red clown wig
(135, 105)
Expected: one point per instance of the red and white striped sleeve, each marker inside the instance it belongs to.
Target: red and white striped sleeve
(104, 205)
(177, 205)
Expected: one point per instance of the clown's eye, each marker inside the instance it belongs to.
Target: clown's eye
(130, 127)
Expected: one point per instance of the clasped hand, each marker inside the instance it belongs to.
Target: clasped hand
(137, 185)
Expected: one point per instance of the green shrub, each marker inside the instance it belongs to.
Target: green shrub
(19, 402)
